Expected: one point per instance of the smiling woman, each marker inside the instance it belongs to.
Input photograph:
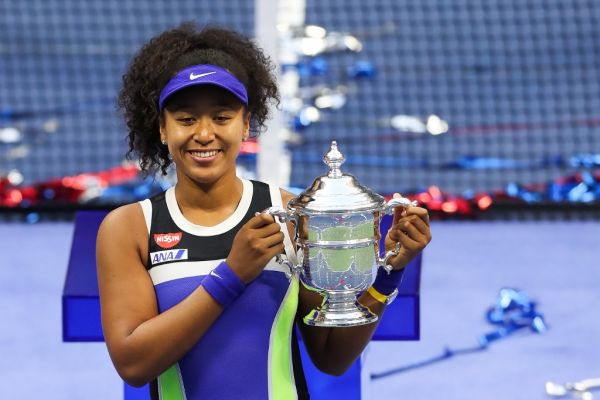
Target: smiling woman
(162, 67)
(193, 299)
(203, 127)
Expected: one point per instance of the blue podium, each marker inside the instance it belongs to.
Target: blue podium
(81, 312)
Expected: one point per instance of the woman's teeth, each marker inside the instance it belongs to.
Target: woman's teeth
(204, 154)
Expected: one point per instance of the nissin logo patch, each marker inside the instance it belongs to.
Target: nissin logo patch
(168, 255)
(167, 240)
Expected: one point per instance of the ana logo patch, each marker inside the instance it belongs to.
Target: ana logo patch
(167, 240)
(168, 255)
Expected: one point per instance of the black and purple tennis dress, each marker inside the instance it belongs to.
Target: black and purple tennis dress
(250, 352)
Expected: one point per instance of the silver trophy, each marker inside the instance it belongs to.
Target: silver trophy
(337, 242)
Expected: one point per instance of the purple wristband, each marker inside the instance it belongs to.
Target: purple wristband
(386, 283)
(223, 284)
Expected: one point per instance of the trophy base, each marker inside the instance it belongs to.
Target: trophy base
(340, 315)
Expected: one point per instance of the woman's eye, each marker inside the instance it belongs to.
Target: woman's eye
(186, 120)
(222, 118)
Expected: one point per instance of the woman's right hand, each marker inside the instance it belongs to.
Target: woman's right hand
(259, 240)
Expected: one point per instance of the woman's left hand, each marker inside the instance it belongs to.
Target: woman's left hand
(410, 228)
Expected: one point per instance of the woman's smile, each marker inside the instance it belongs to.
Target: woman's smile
(204, 156)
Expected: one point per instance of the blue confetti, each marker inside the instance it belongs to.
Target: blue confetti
(513, 311)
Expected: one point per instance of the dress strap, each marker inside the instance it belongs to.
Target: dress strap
(147, 210)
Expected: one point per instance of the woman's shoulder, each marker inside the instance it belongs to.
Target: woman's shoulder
(125, 221)
(125, 215)
(124, 228)
(286, 195)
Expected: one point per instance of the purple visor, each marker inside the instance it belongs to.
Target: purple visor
(204, 74)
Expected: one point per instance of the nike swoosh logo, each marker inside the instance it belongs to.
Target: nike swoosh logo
(213, 273)
(194, 77)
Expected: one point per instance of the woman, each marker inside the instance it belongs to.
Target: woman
(192, 298)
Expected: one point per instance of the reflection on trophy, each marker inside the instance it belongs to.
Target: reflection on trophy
(337, 242)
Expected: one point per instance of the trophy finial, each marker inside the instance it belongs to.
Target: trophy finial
(334, 160)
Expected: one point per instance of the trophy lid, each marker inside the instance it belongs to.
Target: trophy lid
(336, 192)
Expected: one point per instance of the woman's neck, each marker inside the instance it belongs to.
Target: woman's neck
(209, 204)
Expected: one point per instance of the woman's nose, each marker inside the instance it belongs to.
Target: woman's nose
(204, 132)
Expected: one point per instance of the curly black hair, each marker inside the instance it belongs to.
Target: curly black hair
(170, 52)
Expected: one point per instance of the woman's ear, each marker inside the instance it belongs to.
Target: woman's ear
(246, 132)
(161, 129)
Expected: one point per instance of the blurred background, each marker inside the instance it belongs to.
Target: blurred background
(447, 99)
(485, 111)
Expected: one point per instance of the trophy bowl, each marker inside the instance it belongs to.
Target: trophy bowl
(337, 242)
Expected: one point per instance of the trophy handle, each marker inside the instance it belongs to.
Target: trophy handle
(383, 262)
(388, 209)
(283, 216)
(391, 205)
(278, 212)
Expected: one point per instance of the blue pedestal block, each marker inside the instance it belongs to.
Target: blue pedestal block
(81, 312)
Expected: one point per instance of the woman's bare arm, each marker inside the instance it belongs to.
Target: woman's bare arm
(142, 343)
(334, 350)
